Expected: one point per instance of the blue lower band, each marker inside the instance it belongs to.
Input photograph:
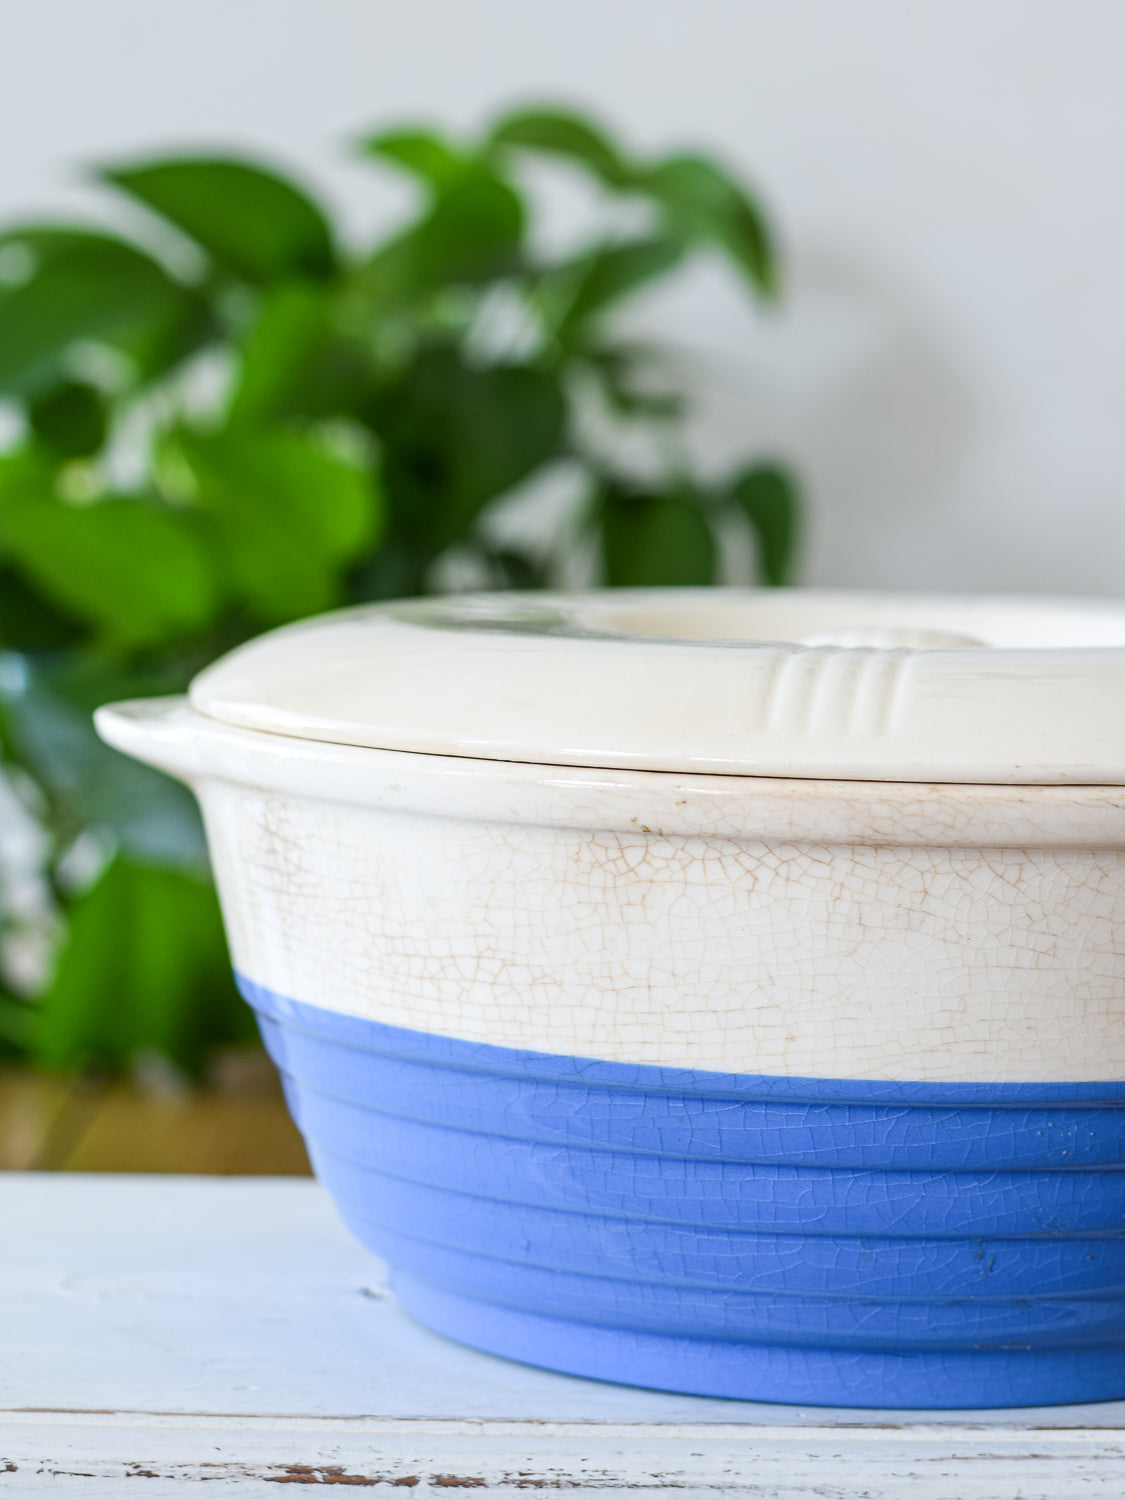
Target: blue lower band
(809, 1240)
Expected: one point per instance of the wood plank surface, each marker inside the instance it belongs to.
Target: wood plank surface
(32, 1109)
(176, 1331)
(237, 1124)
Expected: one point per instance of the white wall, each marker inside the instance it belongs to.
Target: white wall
(948, 176)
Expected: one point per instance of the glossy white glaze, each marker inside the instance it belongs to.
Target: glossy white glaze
(810, 928)
(764, 682)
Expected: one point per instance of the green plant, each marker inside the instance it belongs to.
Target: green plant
(232, 420)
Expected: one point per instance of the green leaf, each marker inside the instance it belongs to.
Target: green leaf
(557, 132)
(144, 967)
(419, 152)
(768, 497)
(139, 575)
(46, 724)
(472, 232)
(88, 287)
(251, 222)
(609, 274)
(28, 622)
(395, 570)
(456, 437)
(17, 1020)
(71, 420)
(277, 350)
(704, 203)
(290, 516)
(294, 363)
(651, 540)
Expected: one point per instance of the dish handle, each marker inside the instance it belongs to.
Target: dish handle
(163, 732)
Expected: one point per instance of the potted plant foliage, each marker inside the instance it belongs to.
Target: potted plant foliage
(229, 419)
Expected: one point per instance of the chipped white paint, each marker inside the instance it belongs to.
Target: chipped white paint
(170, 1332)
(826, 929)
(877, 687)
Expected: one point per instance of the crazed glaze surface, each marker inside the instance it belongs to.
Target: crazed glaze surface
(782, 1239)
(845, 930)
(791, 1090)
(846, 962)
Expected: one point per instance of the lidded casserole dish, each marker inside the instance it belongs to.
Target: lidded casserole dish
(715, 990)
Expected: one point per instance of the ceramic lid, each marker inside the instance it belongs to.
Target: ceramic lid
(779, 682)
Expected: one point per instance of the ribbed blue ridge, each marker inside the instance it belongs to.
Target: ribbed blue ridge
(837, 1242)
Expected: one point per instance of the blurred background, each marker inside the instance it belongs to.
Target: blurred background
(945, 177)
(618, 290)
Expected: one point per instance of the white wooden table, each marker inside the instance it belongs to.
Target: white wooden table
(173, 1331)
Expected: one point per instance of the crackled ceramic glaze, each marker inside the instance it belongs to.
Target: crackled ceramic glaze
(795, 1089)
